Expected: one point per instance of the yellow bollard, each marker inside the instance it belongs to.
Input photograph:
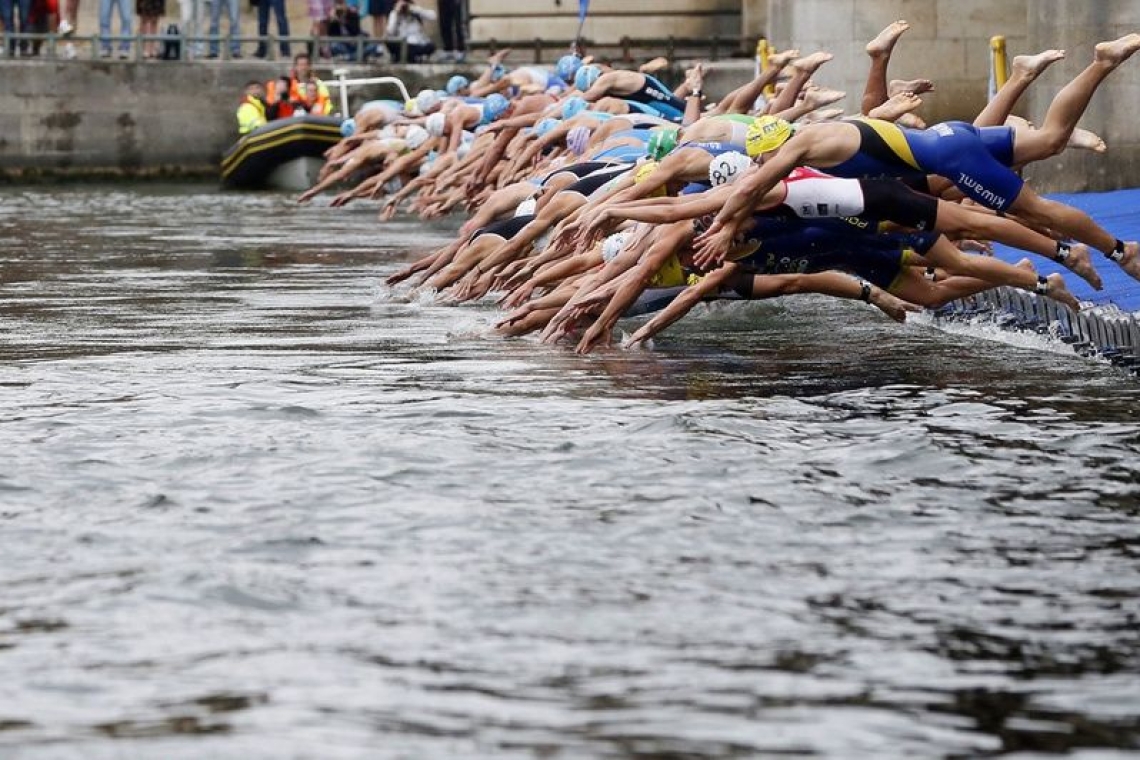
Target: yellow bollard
(999, 66)
(763, 50)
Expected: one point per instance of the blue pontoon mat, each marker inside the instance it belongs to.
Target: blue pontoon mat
(1119, 213)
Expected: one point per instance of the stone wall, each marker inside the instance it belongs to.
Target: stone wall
(111, 117)
(1076, 26)
(948, 42)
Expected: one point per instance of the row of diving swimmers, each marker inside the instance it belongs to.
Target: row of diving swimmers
(610, 196)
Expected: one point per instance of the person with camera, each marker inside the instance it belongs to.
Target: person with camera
(406, 23)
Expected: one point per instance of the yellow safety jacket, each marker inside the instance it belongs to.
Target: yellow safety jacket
(250, 114)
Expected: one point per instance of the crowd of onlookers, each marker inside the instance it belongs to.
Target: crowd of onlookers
(394, 30)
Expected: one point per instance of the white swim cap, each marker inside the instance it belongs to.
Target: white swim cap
(427, 101)
(435, 123)
(416, 136)
(727, 168)
(612, 246)
(527, 207)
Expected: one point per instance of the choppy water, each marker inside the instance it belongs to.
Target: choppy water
(253, 506)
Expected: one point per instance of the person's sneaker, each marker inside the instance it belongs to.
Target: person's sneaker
(461, 56)
(65, 28)
(124, 55)
(104, 53)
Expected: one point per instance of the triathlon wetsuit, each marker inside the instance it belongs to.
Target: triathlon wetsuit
(659, 98)
(976, 159)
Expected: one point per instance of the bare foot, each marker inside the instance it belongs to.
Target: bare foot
(917, 86)
(826, 114)
(820, 96)
(1117, 51)
(1027, 265)
(656, 64)
(1058, 292)
(809, 64)
(911, 121)
(782, 59)
(1086, 140)
(1131, 261)
(900, 104)
(892, 306)
(885, 42)
(1031, 66)
(1079, 262)
(499, 56)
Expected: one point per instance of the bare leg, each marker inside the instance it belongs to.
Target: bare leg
(875, 91)
(802, 69)
(945, 255)
(1071, 102)
(1026, 68)
(900, 104)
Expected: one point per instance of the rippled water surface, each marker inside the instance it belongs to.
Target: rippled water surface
(253, 505)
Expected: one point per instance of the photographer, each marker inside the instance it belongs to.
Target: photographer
(406, 23)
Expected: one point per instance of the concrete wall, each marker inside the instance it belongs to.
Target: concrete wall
(608, 21)
(135, 118)
(1076, 26)
(948, 42)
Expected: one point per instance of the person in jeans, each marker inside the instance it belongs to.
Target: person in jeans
(406, 22)
(125, 19)
(8, 13)
(451, 29)
(215, 27)
(263, 9)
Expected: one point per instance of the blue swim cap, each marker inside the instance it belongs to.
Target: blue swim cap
(348, 128)
(573, 106)
(568, 66)
(497, 72)
(457, 83)
(494, 106)
(544, 126)
(586, 76)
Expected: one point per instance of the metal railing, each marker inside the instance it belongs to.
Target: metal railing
(190, 47)
(361, 49)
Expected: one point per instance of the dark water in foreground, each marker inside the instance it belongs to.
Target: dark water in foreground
(253, 506)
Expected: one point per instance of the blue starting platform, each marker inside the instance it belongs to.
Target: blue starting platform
(1110, 326)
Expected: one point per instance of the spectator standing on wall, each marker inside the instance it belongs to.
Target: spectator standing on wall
(234, 12)
(451, 18)
(68, 21)
(149, 13)
(263, 9)
(319, 12)
(379, 10)
(105, 9)
(9, 10)
(406, 23)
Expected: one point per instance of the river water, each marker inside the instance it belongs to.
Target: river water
(254, 505)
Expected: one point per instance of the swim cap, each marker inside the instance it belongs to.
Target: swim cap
(567, 67)
(434, 124)
(544, 126)
(457, 83)
(527, 207)
(586, 76)
(348, 128)
(577, 139)
(427, 101)
(497, 72)
(572, 107)
(727, 168)
(494, 106)
(766, 133)
(416, 136)
(643, 173)
(612, 246)
(661, 143)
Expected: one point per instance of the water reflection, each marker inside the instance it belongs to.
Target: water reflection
(256, 505)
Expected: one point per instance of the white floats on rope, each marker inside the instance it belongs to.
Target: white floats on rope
(341, 81)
